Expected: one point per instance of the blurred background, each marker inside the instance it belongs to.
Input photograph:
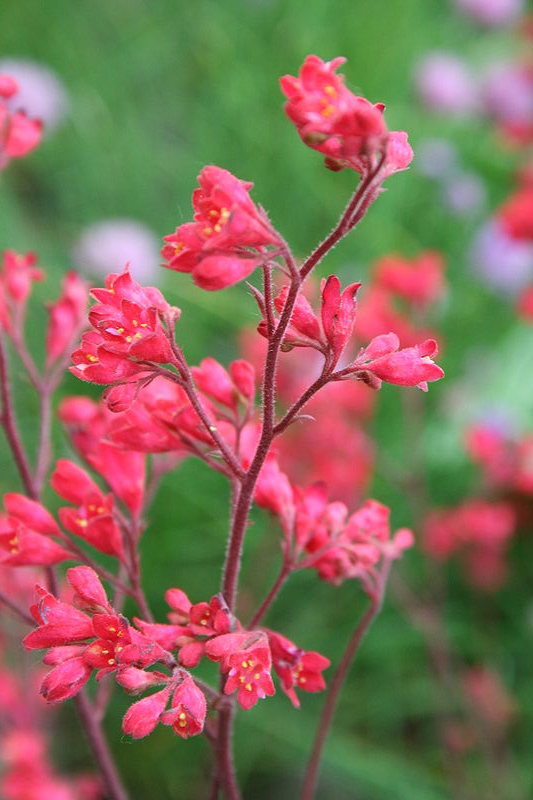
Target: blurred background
(136, 97)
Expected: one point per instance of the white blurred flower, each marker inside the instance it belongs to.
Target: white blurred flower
(464, 193)
(108, 245)
(41, 94)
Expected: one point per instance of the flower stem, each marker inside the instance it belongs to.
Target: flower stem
(337, 683)
(271, 596)
(112, 783)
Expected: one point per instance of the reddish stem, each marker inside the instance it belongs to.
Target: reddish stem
(112, 783)
(338, 681)
(7, 419)
(284, 573)
(18, 610)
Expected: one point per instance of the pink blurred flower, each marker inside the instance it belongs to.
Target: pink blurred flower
(41, 93)
(507, 93)
(444, 83)
(492, 13)
(106, 246)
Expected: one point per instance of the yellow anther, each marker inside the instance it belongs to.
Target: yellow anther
(111, 630)
(13, 542)
(14, 550)
(217, 228)
(183, 715)
(134, 323)
(302, 680)
(100, 510)
(120, 330)
(137, 335)
(330, 90)
(144, 324)
(92, 507)
(119, 648)
(224, 214)
(328, 111)
(241, 678)
(111, 291)
(256, 676)
(214, 213)
(203, 622)
(248, 687)
(120, 633)
(182, 723)
(111, 661)
(91, 358)
(128, 339)
(207, 231)
(82, 522)
(105, 652)
(251, 663)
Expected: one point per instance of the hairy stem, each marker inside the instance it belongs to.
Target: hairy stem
(337, 683)
(284, 573)
(111, 779)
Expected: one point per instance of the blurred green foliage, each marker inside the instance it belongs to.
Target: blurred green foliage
(158, 89)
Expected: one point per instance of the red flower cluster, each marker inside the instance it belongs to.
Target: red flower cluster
(17, 276)
(228, 237)
(86, 637)
(480, 531)
(19, 135)
(348, 130)
(132, 326)
(506, 461)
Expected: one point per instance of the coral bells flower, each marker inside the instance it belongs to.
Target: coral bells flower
(92, 519)
(296, 667)
(81, 642)
(419, 282)
(25, 534)
(129, 322)
(348, 130)
(142, 717)
(19, 135)
(328, 117)
(245, 659)
(17, 276)
(516, 215)
(477, 529)
(187, 715)
(66, 317)
(225, 242)
(382, 360)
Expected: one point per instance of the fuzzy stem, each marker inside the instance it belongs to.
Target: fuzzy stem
(112, 783)
(8, 422)
(18, 610)
(284, 573)
(337, 683)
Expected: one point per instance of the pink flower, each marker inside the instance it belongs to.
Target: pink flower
(129, 322)
(444, 83)
(295, 667)
(19, 135)
(491, 13)
(67, 317)
(338, 314)
(348, 130)
(187, 715)
(420, 281)
(25, 534)
(17, 276)
(383, 361)
(225, 242)
(142, 717)
(245, 659)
